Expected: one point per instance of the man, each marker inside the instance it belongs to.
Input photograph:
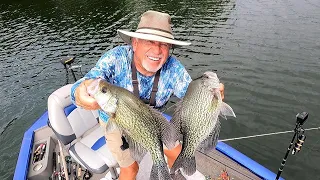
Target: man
(144, 68)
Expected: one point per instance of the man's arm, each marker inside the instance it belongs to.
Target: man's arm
(103, 69)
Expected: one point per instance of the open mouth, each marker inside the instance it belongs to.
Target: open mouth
(154, 58)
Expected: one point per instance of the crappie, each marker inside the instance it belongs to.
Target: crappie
(196, 118)
(144, 128)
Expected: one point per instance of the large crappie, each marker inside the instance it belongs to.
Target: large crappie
(196, 118)
(144, 128)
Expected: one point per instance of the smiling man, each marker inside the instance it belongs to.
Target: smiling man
(149, 55)
(144, 67)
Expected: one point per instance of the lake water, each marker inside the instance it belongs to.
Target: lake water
(267, 53)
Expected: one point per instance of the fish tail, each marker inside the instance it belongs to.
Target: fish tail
(188, 164)
(170, 136)
(178, 176)
(189, 167)
(159, 171)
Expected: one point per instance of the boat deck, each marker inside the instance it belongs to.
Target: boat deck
(211, 165)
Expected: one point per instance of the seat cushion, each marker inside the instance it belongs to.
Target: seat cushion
(92, 151)
(88, 158)
(106, 155)
(82, 120)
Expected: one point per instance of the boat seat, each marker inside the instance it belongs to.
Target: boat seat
(80, 129)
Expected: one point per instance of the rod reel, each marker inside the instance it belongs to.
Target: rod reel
(67, 63)
(299, 133)
(301, 119)
(297, 146)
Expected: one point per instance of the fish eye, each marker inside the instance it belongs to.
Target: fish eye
(104, 90)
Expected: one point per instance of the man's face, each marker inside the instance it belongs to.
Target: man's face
(149, 56)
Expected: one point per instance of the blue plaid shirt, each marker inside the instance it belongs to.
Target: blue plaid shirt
(115, 67)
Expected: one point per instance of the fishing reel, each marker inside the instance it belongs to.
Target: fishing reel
(299, 132)
(301, 119)
(67, 60)
(67, 63)
(297, 146)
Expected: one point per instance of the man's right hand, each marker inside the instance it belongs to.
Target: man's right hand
(82, 97)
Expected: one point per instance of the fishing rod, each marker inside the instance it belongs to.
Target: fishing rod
(299, 133)
(66, 175)
(67, 63)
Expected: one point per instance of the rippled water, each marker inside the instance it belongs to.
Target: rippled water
(265, 52)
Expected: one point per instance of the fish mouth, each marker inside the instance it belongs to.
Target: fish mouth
(210, 75)
(93, 88)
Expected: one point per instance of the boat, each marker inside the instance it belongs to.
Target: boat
(68, 141)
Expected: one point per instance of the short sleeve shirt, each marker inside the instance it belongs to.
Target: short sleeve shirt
(115, 67)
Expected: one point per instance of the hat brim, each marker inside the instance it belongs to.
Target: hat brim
(127, 35)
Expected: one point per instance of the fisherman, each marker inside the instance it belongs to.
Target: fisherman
(144, 67)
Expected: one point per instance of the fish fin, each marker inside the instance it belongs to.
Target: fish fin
(188, 164)
(111, 115)
(211, 141)
(113, 104)
(137, 151)
(159, 171)
(176, 118)
(214, 104)
(178, 176)
(223, 116)
(111, 125)
(169, 134)
(226, 110)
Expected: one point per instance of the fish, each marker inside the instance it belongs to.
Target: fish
(144, 128)
(196, 118)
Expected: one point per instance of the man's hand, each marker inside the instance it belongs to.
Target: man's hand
(82, 97)
(221, 88)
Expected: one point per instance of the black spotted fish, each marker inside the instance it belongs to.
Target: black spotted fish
(197, 119)
(144, 128)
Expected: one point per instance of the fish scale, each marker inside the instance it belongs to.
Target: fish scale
(203, 96)
(144, 128)
(196, 117)
(134, 123)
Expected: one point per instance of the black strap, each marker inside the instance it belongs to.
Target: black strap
(154, 89)
(135, 84)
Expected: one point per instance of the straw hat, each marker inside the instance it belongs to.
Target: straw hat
(154, 26)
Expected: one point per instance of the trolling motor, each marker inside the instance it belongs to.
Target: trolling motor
(67, 63)
(299, 133)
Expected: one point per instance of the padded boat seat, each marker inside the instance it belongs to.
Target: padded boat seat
(80, 129)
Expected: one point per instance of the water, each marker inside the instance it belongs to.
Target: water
(265, 52)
